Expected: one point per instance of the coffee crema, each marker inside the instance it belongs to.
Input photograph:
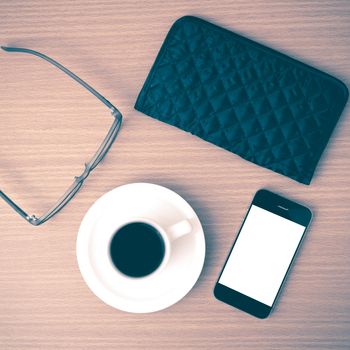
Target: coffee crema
(137, 249)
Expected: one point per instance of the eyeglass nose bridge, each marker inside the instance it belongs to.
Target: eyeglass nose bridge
(78, 180)
(84, 175)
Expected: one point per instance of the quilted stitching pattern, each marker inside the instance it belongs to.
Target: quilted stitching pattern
(239, 95)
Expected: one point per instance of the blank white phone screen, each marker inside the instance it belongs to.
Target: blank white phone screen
(261, 255)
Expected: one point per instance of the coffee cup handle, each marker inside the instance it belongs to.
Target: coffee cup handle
(179, 229)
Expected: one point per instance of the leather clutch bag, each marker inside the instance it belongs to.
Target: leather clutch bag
(258, 103)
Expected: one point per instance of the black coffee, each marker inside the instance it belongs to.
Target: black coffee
(137, 249)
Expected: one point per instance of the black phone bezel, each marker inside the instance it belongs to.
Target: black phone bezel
(282, 207)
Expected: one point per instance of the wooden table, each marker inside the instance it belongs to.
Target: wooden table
(50, 126)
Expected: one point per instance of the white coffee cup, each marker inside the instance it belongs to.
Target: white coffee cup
(167, 235)
(108, 226)
(176, 223)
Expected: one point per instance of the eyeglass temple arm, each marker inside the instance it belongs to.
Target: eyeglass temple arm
(63, 69)
(15, 206)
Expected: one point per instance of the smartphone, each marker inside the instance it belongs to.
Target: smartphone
(262, 253)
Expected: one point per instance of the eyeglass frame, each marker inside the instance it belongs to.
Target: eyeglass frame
(90, 166)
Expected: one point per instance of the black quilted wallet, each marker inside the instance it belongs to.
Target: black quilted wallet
(242, 96)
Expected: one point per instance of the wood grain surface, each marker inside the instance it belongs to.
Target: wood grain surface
(49, 126)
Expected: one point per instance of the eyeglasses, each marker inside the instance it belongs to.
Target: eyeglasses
(90, 166)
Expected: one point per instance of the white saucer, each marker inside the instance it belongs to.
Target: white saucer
(158, 290)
